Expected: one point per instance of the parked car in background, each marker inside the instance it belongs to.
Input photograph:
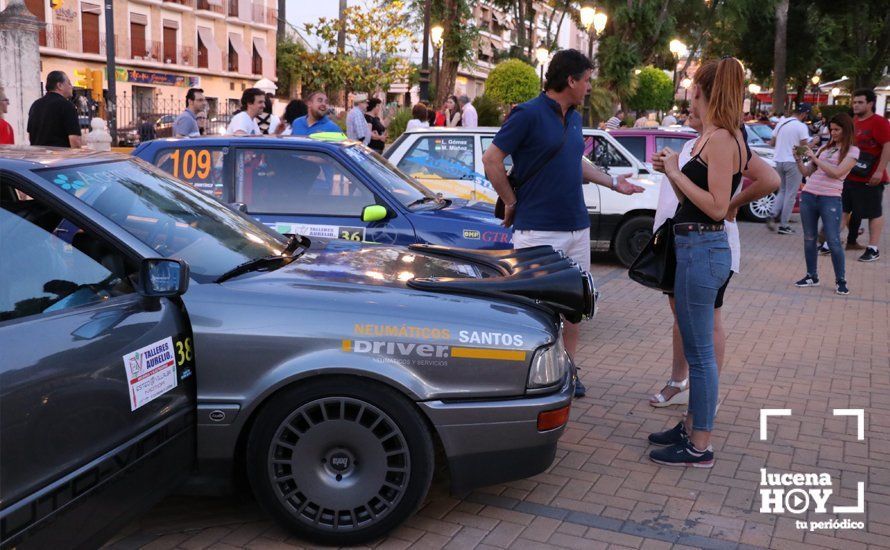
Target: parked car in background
(128, 136)
(645, 142)
(326, 189)
(331, 374)
(217, 125)
(449, 161)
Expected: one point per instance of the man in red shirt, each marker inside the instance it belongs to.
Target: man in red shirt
(864, 186)
(6, 135)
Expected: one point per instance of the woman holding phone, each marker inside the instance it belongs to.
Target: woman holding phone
(821, 198)
(703, 186)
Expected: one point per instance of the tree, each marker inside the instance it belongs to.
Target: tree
(512, 81)
(377, 40)
(654, 91)
(457, 45)
(780, 54)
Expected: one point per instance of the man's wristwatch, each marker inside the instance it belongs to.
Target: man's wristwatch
(614, 182)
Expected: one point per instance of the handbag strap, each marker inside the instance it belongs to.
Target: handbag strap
(550, 157)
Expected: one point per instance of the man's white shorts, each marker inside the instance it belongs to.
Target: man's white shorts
(575, 244)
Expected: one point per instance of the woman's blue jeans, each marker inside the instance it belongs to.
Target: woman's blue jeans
(703, 264)
(813, 207)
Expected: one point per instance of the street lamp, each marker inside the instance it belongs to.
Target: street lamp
(541, 54)
(685, 84)
(436, 32)
(595, 22)
(835, 91)
(679, 50)
(753, 88)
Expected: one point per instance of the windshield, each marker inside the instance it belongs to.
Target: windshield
(759, 134)
(403, 187)
(172, 218)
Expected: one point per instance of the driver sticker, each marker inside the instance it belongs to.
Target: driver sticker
(151, 372)
(322, 231)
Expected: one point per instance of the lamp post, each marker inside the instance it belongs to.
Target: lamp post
(595, 22)
(678, 49)
(685, 84)
(425, 60)
(541, 55)
(753, 89)
(436, 36)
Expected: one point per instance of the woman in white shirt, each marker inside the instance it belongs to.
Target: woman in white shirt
(766, 180)
(419, 116)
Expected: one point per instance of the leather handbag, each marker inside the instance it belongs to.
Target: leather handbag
(499, 206)
(656, 264)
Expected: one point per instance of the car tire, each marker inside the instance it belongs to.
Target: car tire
(631, 237)
(759, 210)
(340, 461)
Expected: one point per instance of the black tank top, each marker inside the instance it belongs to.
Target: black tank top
(697, 172)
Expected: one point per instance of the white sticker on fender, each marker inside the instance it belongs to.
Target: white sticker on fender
(151, 372)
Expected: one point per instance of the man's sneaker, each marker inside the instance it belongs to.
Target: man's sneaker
(870, 255)
(675, 435)
(809, 280)
(785, 230)
(580, 389)
(683, 454)
(824, 250)
(841, 287)
(854, 246)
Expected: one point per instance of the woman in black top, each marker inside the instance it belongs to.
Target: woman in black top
(378, 130)
(704, 186)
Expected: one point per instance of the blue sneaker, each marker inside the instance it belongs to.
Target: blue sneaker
(683, 454)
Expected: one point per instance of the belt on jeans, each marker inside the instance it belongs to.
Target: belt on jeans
(687, 228)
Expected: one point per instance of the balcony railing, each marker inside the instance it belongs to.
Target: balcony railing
(215, 8)
(189, 3)
(264, 14)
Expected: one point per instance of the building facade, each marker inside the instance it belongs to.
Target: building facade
(162, 48)
(498, 35)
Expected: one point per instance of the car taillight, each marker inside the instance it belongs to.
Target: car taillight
(550, 420)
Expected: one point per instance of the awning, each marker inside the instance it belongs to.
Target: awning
(485, 47)
(215, 3)
(268, 59)
(90, 8)
(214, 56)
(244, 58)
(138, 18)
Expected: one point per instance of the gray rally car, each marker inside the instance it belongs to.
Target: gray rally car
(330, 372)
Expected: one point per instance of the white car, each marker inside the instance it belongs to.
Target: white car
(449, 161)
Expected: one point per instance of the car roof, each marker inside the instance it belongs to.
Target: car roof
(29, 157)
(653, 132)
(222, 141)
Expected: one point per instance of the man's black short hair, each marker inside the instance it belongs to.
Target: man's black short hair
(54, 79)
(190, 95)
(250, 95)
(565, 64)
(869, 94)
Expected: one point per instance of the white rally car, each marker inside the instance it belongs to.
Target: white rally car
(449, 161)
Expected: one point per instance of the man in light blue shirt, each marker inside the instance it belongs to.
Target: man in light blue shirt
(186, 124)
(356, 125)
(316, 120)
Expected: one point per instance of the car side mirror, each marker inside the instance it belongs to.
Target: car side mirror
(239, 207)
(374, 213)
(163, 277)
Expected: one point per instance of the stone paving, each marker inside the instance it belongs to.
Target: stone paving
(804, 349)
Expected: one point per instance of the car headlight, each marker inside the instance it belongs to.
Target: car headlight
(549, 365)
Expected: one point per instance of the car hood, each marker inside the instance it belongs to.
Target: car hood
(538, 277)
(461, 210)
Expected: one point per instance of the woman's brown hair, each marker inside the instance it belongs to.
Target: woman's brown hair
(846, 124)
(723, 83)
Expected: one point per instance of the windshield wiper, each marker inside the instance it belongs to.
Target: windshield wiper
(289, 254)
(424, 200)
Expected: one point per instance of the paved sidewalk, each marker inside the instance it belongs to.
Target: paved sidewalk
(804, 349)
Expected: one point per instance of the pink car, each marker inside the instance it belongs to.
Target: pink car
(643, 143)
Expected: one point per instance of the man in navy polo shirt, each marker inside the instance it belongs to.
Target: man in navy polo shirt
(544, 136)
(316, 119)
